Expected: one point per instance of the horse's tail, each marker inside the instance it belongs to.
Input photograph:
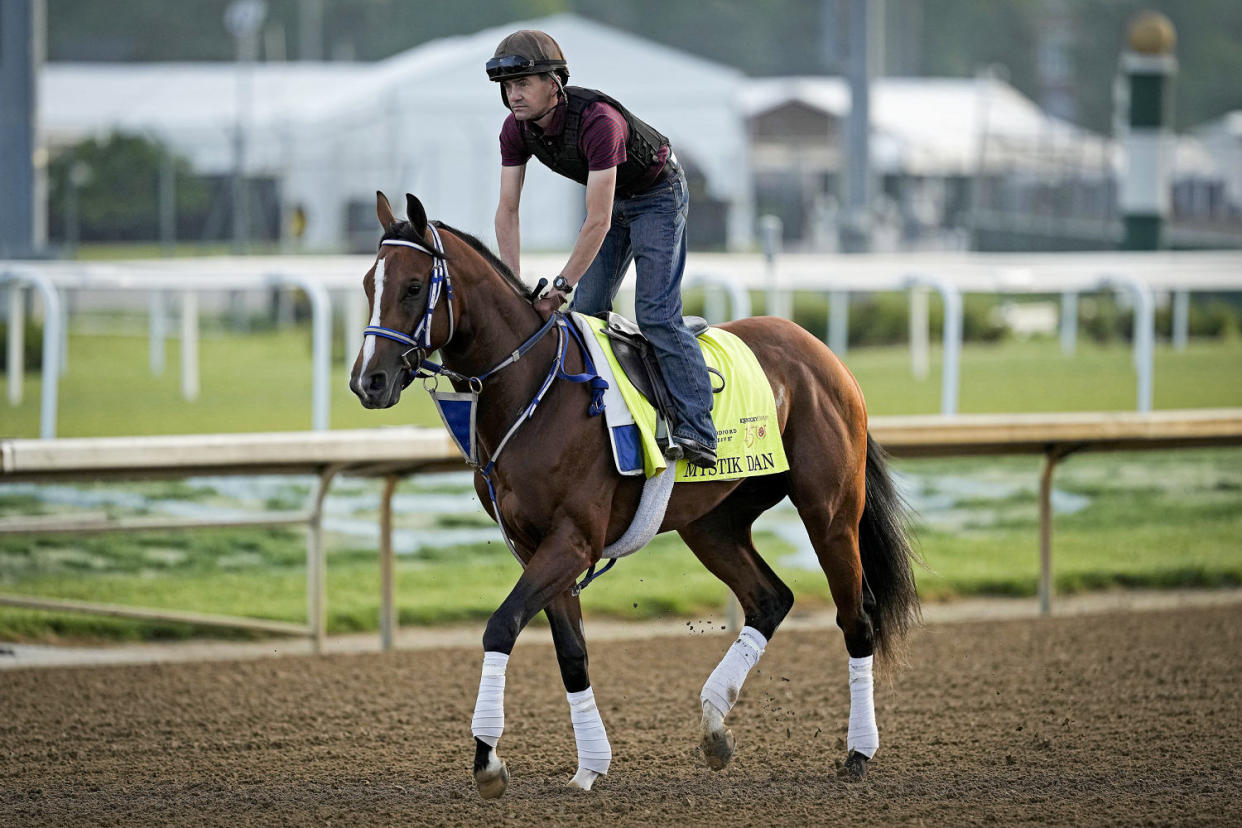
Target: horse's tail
(887, 554)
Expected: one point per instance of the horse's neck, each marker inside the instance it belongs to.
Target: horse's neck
(493, 323)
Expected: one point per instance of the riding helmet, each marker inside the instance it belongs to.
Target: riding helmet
(526, 52)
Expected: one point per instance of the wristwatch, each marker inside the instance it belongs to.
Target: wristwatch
(562, 284)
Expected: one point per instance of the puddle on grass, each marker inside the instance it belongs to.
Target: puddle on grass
(940, 502)
(350, 510)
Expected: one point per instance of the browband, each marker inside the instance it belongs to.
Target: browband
(403, 243)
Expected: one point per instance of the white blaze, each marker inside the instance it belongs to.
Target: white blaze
(368, 345)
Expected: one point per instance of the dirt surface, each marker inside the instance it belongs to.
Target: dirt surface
(1118, 718)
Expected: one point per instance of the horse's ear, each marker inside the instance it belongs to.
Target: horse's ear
(383, 210)
(416, 214)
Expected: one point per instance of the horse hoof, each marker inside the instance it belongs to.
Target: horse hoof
(492, 780)
(717, 747)
(583, 779)
(855, 767)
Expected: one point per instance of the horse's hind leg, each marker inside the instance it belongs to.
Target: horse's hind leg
(722, 541)
(594, 752)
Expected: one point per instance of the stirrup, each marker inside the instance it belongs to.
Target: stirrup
(693, 453)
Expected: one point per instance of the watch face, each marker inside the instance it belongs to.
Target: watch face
(561, 284)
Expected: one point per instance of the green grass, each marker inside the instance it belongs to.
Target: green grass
(1153, 519)
(262, 382)
(248, 382)
(1036, 376)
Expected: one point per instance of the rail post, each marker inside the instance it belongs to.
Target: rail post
(839, 321)
(1069, 322)
(739, 299)
(189, 345)
(1144, 332)
(53, 320)
(17, 342)
(316, 564)
(388, 613)
(321, 343)
(952, 336)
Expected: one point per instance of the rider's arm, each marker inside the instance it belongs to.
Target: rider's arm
(599, 189)
(508, 228)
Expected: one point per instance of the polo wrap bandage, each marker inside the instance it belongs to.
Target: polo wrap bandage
(863, 735)
(489, 709)
(725, 683)
(594, 752)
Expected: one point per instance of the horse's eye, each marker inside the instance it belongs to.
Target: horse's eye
(414, 289)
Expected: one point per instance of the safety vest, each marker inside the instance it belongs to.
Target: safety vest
(561, 153)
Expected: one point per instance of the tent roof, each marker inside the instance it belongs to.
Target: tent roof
(929, 124)
(77, 99)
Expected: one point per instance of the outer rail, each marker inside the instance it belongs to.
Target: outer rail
(392, 453)
(1055, 436)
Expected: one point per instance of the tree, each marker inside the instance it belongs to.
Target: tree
(117, 182)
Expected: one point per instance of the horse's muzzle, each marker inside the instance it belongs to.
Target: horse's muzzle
(378, 389)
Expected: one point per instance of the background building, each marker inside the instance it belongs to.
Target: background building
(325, 136)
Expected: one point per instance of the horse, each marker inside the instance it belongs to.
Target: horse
(551, 485)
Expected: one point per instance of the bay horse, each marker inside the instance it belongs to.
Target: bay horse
(559, 500)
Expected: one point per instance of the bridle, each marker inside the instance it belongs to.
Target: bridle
(462, 404)
(420, 341)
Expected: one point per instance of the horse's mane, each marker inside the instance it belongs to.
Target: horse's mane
(404, 231)
(490, 257)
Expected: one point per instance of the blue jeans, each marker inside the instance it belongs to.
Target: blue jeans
(650, 229)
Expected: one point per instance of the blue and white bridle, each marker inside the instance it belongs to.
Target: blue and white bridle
(420, 342)
(440, 283)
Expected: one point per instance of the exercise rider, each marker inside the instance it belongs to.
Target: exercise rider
(636, 203)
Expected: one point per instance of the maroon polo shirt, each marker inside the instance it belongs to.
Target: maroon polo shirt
(601, 139)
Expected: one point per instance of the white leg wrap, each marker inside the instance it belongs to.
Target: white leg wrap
(594, 752)
(725, 682)
(863, 736)
(489, 709)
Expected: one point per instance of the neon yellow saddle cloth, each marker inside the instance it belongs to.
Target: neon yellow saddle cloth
(747, 432)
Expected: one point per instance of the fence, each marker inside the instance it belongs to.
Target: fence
(393, 453)
(1139, 275)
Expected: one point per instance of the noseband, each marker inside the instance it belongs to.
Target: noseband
(420, 341)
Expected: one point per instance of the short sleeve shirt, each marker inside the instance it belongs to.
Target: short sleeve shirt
(601, 137)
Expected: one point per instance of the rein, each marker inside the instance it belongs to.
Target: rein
(457, 409)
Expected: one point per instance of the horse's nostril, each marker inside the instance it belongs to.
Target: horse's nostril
(376, 382)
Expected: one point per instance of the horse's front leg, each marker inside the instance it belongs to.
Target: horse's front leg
(594, 752)
(549, 572)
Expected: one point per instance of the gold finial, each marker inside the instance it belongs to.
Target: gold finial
(1151, 33)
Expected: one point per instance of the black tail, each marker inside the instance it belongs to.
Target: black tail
(888, 579)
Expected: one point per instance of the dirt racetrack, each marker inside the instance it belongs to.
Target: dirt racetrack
(1122, 718)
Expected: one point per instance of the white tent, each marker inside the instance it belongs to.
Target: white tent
(938, 126)
(425, 121)
(1222, 139)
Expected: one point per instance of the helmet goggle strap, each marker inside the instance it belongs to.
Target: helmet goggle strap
(506, 65)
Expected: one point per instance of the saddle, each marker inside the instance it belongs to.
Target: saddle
(637, 359)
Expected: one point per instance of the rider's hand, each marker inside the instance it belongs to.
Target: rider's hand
(551, 300)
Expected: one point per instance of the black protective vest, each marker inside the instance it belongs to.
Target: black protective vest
(562, 154)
